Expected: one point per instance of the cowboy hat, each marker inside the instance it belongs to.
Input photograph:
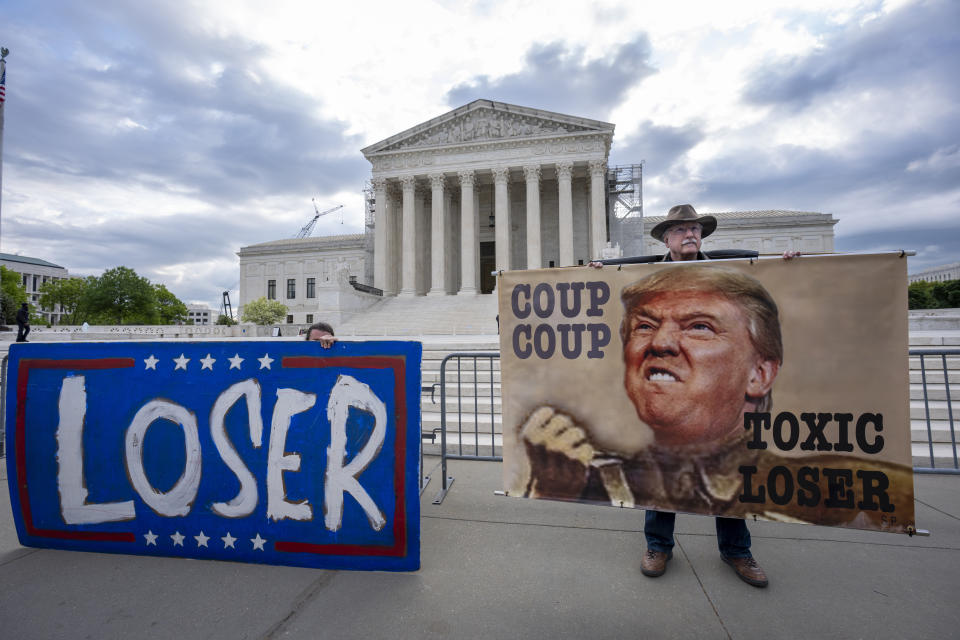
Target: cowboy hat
(684, 213)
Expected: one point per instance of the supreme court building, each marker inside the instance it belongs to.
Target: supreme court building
(488, 186)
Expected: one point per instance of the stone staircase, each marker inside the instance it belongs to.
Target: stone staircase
(466, 315)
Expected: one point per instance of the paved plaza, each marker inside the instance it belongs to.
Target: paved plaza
(510, 568)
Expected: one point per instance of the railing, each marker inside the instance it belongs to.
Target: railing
(472, 451)
(942, 354)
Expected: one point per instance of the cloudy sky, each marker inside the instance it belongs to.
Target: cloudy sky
(164, 136)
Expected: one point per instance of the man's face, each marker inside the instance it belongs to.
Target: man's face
(683, 240)
(690, 365)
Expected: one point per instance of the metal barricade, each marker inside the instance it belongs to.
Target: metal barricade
(937, 409)
(472, 450)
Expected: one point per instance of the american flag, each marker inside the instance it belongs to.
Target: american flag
(3, 82)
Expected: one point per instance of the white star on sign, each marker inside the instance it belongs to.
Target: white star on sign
(228, 541)
(257, 542)
(177, 539)
(201, 540)
(207, 362)
(265, 361)
(151, 538)
(151, 363)
(235, 361)
(181, 362)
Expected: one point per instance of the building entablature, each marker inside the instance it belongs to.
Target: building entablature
(302, 245)
(485, 135)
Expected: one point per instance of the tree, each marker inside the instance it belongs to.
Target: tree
(169, 308)
(69, 293)
(120, 296)
(12, 293)
(920, 295)
(934, 295)
(226, 320)
(947, 294)
(263, 311)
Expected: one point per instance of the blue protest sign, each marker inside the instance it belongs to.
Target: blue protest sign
(275, 452)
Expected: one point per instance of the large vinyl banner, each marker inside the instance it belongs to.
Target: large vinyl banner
(274, 452)
(768, 388)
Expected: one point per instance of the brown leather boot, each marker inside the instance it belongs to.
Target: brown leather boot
(654, 563)
(748, 570)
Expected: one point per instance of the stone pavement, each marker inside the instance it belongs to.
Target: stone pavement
(511, 568)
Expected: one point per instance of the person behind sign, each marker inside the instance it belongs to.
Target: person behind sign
(701, 346)
(682, 233)
(321, 332)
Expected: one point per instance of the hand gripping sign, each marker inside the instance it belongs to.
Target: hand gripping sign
(269, 452)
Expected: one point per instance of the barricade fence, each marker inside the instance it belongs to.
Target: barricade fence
(470, 428)
(478, 435)
(938, 415)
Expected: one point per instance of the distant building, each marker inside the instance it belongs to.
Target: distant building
(33, 273)
(769, 232)
(937, 274)
(199, 314)
(305, 274)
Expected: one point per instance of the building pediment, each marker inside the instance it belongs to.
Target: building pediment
(487, 121)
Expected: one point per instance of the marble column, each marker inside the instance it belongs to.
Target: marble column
(468, 234)
(451, 261)
(394, 236)
(408, 285)
(380, 235)
(598, 209)
(438, 284)
(534, 248)
(565, 230)
(501, 212)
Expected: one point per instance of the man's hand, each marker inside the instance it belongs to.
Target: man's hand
(787, 255)
(559, 455)
(327, 341)
(596, 264)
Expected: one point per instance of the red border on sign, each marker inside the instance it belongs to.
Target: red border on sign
(398, 365)
(20, 444)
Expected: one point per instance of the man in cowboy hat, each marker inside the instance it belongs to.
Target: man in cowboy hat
(682, 232)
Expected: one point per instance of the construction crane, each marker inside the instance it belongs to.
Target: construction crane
(225, 308)
(308, 228)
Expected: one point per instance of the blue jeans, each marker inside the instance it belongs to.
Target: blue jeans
(733, 538)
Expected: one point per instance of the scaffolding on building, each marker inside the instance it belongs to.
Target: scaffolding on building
(625, 208)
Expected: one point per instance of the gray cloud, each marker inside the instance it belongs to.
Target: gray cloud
(555, 77)
(132, 95)
(117, 102)
(935, 246)
(902, 179)
(659, 147)
(916, 42)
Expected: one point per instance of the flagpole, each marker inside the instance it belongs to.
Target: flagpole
(4, 52)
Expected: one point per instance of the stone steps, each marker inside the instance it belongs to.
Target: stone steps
(425, 316)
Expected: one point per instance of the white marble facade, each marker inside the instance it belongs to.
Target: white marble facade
(487, 186)
(305, 274)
